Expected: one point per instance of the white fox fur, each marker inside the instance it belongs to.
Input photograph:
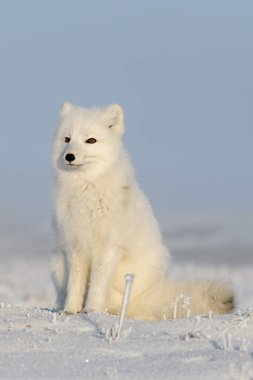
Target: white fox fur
(105, 227)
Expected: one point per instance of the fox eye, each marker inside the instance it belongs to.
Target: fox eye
(91, 141)
(67, 139)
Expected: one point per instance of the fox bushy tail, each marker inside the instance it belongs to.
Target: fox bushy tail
(169, 299)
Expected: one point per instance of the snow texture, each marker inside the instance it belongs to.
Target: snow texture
(40, 344)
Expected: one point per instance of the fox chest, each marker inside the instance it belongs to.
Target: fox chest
(89, 222)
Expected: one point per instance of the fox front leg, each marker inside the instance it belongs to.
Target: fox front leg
(101, 276)
(77, 284)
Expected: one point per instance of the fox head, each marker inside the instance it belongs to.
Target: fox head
(88, 141)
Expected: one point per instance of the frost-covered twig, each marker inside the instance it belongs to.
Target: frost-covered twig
(185, 305)
(238, 322)
(244, 345)
(127, 292)
(227, 341)
(242, 319)
(175, 308)
(115, 331)
(197, 332)
(249, 313)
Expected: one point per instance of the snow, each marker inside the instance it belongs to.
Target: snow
(38, 343)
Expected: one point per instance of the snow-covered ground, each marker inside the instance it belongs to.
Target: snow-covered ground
(37, 343)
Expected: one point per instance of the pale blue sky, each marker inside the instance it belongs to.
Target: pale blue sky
(182, 70)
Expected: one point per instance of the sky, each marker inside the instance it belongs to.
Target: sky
(182, 71)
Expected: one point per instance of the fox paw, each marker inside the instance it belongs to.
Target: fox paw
(72, 309)
(89, 308)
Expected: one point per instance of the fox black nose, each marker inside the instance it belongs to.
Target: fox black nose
(70, 157)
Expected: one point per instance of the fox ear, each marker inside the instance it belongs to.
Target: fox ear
(66, 109)
(115, 117)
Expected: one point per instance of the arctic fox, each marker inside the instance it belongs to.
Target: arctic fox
(105, 228)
